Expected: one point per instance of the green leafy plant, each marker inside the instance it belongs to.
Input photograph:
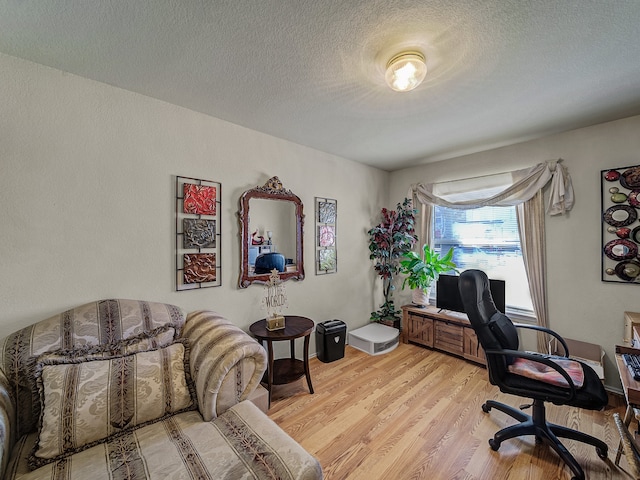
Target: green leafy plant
(422, 271)
(388, 241)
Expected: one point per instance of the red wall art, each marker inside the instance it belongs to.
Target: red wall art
(199, 199)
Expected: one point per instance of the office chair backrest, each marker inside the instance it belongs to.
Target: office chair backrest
(494, 329)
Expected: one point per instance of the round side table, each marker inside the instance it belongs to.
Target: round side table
(285, 370)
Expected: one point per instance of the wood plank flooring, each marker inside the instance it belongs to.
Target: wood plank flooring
(415, 413)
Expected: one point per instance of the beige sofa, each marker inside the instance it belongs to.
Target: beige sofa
(126, 389)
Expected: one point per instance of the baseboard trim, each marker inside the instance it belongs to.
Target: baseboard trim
(616, 390)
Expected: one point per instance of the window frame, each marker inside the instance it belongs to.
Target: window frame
(517, 313)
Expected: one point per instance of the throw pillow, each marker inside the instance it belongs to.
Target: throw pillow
(159, 337)
(86, 401)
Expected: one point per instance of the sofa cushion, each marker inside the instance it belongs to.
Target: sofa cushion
(103, 322)
(544, 373)
(240, 444)
(85, 400)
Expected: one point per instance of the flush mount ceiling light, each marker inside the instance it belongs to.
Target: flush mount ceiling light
(406, 71)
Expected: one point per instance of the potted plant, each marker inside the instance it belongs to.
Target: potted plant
(388, 241)
(422, 271)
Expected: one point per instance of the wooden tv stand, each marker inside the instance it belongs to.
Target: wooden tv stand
(450, 332)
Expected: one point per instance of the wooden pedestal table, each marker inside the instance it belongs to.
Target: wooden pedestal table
(285, 370)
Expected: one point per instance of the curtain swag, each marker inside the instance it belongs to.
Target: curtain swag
(523, 185)
(520, 188)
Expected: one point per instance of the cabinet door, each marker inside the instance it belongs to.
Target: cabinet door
(472, 349)
(420, 330)
(448, 337)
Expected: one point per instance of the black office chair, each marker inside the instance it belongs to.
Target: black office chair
(499, 339)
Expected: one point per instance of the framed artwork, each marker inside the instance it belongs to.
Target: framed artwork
(197, 233)
(326, 236)
(620, 226)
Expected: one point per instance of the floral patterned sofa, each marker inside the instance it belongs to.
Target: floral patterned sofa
(127, 389)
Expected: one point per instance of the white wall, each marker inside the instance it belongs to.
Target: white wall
(581, 306)
(87, 185)
(87, 202)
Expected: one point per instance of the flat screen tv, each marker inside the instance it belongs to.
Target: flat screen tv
(448, 295)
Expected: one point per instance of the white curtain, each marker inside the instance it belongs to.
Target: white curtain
(530, 216)
(505, 189)
(521, 188)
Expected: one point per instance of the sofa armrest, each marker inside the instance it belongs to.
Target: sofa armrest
(226, 363)
(7, 423)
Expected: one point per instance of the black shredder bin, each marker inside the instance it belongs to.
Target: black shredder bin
(330, 338)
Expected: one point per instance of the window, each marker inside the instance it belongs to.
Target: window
(487, 239)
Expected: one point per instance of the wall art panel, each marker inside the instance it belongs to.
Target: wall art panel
(197, 233)
(620, 226)
(326, 236)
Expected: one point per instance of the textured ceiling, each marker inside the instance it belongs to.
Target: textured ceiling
(311, 71)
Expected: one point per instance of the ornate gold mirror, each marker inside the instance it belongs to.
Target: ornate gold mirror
(271, 222)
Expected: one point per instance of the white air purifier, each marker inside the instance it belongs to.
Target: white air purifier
(374, 339)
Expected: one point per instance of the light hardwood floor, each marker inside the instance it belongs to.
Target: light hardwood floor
(416, 413)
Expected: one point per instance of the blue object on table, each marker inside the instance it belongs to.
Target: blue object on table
(268, 261)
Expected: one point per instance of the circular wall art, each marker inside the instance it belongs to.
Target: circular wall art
(623, 232)
(618, 197)
(620, 215)
(630, 178)
(620, 232)
(628, 271)
(612, 175)
(621, 249)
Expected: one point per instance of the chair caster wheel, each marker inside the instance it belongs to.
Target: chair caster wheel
(486, 408)
(602, 453)
(538, 440)
(494, 445)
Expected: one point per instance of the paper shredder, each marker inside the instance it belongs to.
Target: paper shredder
(330, 340)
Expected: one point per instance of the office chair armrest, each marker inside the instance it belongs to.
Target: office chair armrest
(545, 330)
(540, 358)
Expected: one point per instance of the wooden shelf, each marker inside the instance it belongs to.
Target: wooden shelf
(449, 332)
(630, 386)
(287, 370)
(632, 329)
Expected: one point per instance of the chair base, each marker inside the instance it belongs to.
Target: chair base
(543, 431)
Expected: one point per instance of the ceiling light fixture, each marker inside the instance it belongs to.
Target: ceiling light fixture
(406, 71)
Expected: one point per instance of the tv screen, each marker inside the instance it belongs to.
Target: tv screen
(448, 294)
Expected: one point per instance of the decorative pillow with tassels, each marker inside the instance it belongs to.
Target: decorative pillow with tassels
(87, 401)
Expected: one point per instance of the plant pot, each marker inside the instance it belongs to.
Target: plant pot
(395, 323)
(420, 297)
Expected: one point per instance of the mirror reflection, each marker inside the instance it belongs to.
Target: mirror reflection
(620, 215)
(620, 250)
(271, 234)
(273, 230)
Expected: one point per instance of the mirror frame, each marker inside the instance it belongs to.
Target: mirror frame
(272, 190)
